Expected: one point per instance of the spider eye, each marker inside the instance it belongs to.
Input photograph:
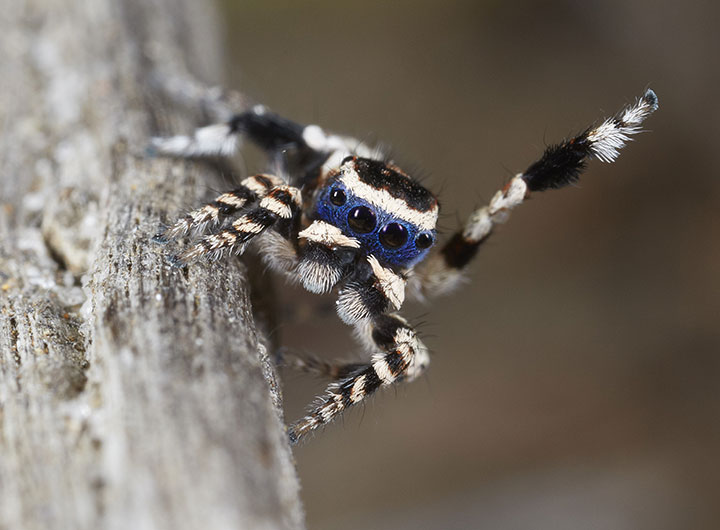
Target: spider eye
(393, 235)
(361, 219)
(338, 197)
(423, 241)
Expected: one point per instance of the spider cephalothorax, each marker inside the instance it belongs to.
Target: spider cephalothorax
(350, 220)
(390, 214)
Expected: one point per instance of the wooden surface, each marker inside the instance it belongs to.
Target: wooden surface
(131, 395)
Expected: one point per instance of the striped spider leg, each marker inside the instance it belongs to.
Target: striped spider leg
(347, 219)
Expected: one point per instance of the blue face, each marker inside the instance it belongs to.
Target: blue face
(391, 240)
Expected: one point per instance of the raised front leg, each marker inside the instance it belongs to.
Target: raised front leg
(559, 166)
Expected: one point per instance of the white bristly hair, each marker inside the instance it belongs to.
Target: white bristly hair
(385, 201)
(211, 140)
(327, 234)
(610, 136)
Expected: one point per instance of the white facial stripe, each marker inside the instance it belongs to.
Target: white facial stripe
(342, 146)
(383, 200)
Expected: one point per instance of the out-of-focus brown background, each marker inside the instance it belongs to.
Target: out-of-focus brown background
(575, 381)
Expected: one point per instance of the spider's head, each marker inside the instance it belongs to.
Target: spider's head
(392, 216)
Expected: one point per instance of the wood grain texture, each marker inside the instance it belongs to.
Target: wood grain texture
(132, 395)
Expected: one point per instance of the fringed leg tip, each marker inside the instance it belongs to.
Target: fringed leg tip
(651, 98)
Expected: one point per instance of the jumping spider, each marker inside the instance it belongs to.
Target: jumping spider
(345, 217)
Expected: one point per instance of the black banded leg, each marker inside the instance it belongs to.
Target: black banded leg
(212, 140)
(559, 166)
(282, 202)
(268, 130)
(250, 190)
(373, 290)
(318, 367)
(403, 358)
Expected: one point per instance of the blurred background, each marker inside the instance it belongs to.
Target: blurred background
(575, 382)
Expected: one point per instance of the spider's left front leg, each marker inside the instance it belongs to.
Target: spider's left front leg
(400, 355)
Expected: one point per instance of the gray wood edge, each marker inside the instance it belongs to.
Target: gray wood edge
(132, 395)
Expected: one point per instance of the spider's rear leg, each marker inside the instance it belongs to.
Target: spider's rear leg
(269, 131)
(402, 357)
(281, 202)
(250, 190)
(310, 364)
(559, 166)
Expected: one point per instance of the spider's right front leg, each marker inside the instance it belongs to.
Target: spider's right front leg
(559, 166)
(281, 202)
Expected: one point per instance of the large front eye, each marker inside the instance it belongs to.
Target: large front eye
(361, 219)
(393, 235)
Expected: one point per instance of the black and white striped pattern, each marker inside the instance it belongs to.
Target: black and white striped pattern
(278, 203)
(559, 166)
(250, 190)
(212, 140)
(403, 357)
(321, 257)
(562, 164)
(389, 189)
(370, 293)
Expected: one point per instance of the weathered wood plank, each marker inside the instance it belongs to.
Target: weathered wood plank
(131, 395)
